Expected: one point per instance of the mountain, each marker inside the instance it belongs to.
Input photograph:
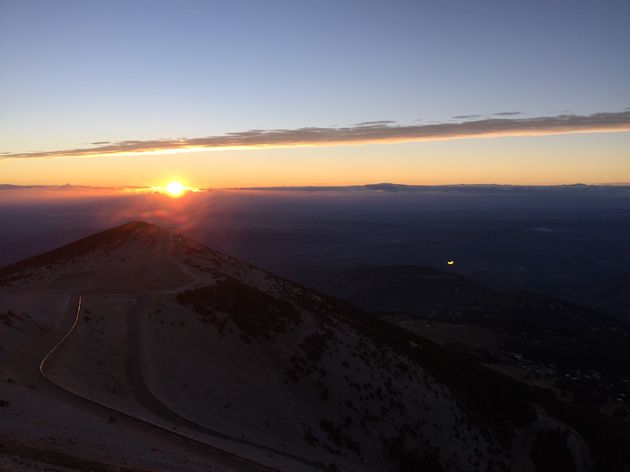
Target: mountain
(580, 354)
(139, 349)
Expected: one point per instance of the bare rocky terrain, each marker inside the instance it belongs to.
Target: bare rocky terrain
(139, 349)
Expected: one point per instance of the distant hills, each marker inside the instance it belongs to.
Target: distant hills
(477, 188)
(586, 353)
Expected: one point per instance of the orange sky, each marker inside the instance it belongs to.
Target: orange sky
(560, 159)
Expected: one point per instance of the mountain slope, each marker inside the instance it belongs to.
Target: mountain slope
(553, 334)
(196, 343)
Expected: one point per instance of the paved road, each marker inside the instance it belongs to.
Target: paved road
(34, 373)
(135, 381)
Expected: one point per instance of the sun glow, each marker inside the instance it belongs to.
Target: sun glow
(175, 189)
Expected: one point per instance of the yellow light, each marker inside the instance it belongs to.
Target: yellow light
(451, 262)
(175, 189)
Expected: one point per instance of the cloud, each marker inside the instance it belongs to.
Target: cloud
(357, 134)
(375, 123)
(508, 113)
(465, 117)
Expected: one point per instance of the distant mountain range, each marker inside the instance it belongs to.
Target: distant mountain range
(477, 188)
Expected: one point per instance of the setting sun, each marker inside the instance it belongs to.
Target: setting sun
(175, 189)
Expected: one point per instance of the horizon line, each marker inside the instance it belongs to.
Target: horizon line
(367, 186)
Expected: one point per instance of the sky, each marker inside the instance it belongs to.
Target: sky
(250, 93)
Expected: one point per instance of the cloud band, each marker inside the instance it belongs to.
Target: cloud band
(362, 133)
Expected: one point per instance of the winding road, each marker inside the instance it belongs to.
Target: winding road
(173, 438)
(139, 389)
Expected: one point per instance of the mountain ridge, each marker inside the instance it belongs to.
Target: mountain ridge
(114, 236)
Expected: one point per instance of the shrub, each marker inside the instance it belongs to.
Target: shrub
(255, 312)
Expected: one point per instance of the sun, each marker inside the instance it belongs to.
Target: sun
(175, 189)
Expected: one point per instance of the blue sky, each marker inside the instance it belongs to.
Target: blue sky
(76, 72)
